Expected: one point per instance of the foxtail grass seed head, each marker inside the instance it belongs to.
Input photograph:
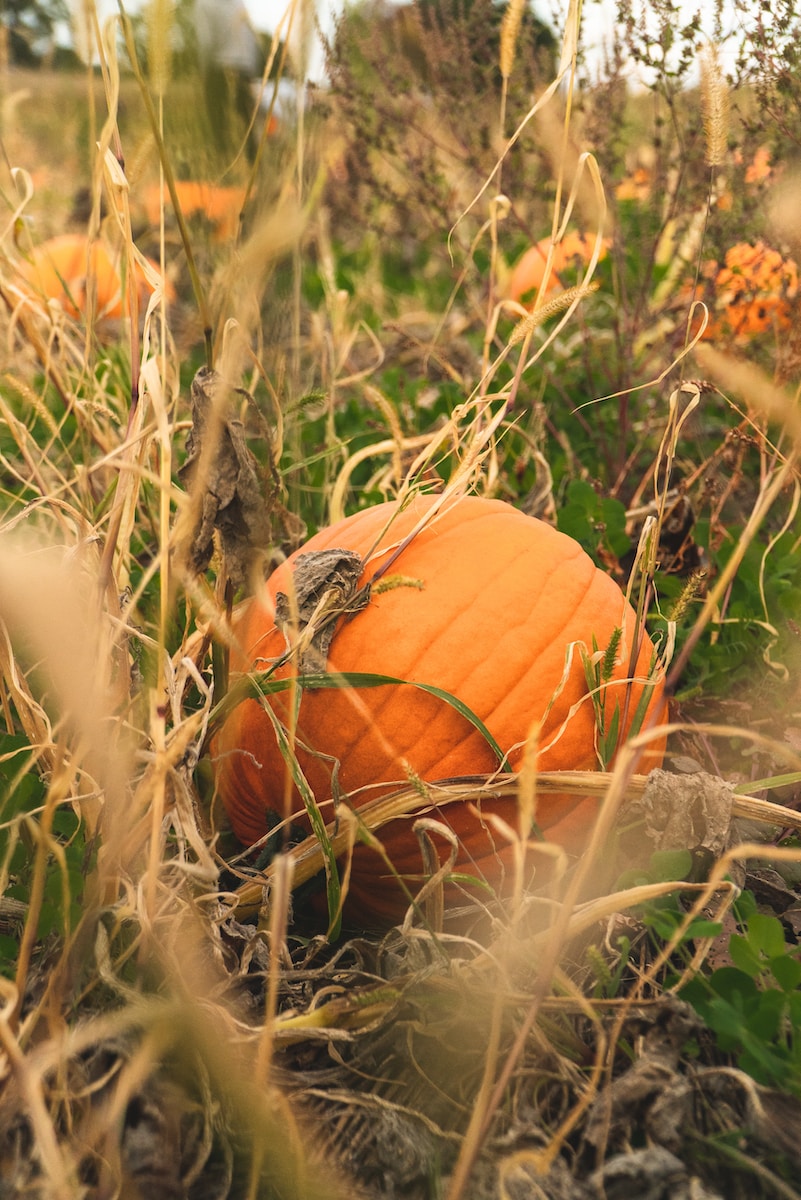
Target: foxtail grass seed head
(691, 589)
(550, 309)
(510, 29)
(714, 105)
(610, 657)
(159, 20)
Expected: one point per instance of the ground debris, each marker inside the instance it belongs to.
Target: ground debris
(650, 1174)
(161, 1147)
(661, 1032)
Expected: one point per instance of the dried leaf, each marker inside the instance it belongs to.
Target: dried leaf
(662, 1033)
(686, 812)
(230, 493)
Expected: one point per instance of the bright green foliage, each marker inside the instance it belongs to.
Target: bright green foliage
(753, 1006)
(594, 520)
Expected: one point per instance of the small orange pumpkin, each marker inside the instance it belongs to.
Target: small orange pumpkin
(62, 268)
(220, 206)
(574, 251)
(485, 604)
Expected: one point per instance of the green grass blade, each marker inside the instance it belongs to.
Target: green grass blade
(263, 684)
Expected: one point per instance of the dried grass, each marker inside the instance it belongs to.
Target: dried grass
(175, 1036)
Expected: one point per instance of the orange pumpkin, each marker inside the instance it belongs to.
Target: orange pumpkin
(750, 294)
(485, 604)
(220, 206)
(637, 186)
(62, 268)
(573, 252)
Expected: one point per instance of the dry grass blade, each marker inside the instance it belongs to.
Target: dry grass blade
(762, 395)
(308, 857)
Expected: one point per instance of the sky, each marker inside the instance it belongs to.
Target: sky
(599, 19)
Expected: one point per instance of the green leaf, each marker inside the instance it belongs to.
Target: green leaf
(703, 928)
(766, 1019)
(730, 1020)
(664, 866)
(770, 781)
(635, 877)
(583, 495)
(744, 956)
(745, 907)
(731, 983)
(609, 736)
(766, 934)
(664, 922)
(333, 888)
(794, 1011)
(765, 1064)
(9, 950)
(786, 971)
(27, 795)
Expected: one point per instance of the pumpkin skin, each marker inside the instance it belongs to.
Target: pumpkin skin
(503, 595)
(574, 250)
(220, 206)
(59, 270)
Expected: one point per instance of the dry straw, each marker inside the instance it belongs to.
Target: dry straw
(129, 762)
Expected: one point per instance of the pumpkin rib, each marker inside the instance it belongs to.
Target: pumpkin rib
(387, 697)
(459, 686)
(456, 686)
(537, 666)
(542, 663)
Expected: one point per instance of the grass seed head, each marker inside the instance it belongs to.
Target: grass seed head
(715, 105)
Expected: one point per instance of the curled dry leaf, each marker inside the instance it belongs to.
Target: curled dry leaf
(231, 494)
(686, 812)
(662, 1032)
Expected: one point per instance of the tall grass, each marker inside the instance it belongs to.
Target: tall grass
(162, 1026)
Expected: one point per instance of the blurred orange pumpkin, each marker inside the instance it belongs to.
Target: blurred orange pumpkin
(636, 186)
(220, 206)
(574, 251)
(750, 294)
(486, 604)
(70, 267)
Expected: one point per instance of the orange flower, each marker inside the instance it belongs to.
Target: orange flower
(636, 186)
(759, 169)
(750, 294)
